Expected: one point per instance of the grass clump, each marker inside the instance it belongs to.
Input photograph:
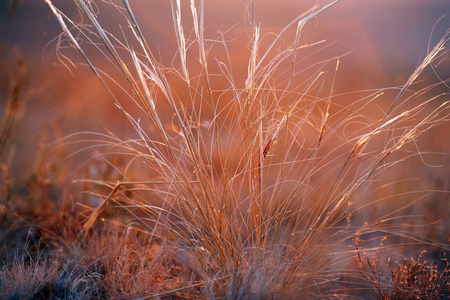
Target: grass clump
(409, 279)
(237, 187)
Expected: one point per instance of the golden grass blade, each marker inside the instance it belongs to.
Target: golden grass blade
(427, 61)
(99, 209)
(61, 21)
(252, 65)
(363, 140)
(181, 40)
(301, 21)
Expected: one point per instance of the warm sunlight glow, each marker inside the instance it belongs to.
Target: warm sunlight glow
(244, 149)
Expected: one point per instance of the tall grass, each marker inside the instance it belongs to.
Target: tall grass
(250, 182)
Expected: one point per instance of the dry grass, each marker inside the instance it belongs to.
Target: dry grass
(410, 279)
(237, 189)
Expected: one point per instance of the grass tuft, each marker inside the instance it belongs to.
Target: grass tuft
(238, 183)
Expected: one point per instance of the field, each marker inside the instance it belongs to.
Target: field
(225, 150)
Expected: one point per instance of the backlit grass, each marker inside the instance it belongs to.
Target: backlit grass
(238, 186)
